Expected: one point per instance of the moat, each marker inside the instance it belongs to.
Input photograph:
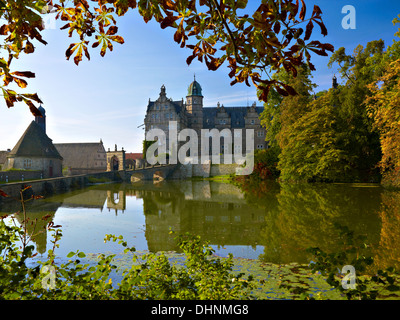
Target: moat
(273, 222)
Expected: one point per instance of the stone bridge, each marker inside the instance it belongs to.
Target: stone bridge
(156, 172)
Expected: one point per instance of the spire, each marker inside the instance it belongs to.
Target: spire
(334, 82)
(41, 121)
(162, 93)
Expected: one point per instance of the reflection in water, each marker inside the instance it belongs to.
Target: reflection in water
(217, 212)
(284, 219)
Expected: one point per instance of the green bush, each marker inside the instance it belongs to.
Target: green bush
(151, 276)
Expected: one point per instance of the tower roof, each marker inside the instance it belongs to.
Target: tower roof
(34, 143)
(194, 89)
(42, 110)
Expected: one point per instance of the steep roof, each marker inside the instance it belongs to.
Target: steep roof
(236, 114)
(82, 155)
(177, 105)
(34, 143)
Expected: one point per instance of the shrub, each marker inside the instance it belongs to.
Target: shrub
(151, 276)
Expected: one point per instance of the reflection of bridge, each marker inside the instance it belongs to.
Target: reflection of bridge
(156, 172)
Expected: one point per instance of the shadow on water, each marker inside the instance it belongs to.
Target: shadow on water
(276, 222)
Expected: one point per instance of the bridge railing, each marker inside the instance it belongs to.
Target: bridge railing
(148, 166)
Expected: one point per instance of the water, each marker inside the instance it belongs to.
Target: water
(268, 221)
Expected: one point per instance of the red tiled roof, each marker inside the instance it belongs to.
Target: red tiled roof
(133, 156)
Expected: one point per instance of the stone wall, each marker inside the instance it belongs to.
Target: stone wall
(38, 164)
(47, 187)
(223, 169)
(19, 174)
(203, 170)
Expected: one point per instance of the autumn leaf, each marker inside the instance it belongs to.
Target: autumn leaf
(26, 74)
(309, 29)
(35, 111)
(32, 96)
(302, 11)
(117, 39)
(21, 82)
(168, 21)
(3, 194)
(112, 30)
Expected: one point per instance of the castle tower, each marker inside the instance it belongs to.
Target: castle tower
(334, 82)
(41, 121)
(194, 106)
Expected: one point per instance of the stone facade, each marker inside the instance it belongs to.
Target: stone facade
(82, 158)
(36, 151)
(51, 167)
(116, 159)
(191, 114)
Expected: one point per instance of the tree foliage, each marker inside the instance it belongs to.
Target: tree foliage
(277, 35)
(336, 135)
(383, 109)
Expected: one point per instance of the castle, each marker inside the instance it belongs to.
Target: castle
(191, 114)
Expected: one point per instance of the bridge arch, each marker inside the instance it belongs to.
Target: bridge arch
(155, 173)
(158, 175)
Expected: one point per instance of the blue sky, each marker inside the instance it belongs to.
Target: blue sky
(106, 98)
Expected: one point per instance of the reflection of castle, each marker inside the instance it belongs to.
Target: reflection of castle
(217, 212)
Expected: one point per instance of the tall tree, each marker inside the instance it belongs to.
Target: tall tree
(312, 151)
(384, 111)
(281, 111)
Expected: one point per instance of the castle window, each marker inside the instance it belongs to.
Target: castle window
(167, 116)
(252, 121)
(27, 163)
(260, 146)
(158, 107)
(166, 107)
(260, 133)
